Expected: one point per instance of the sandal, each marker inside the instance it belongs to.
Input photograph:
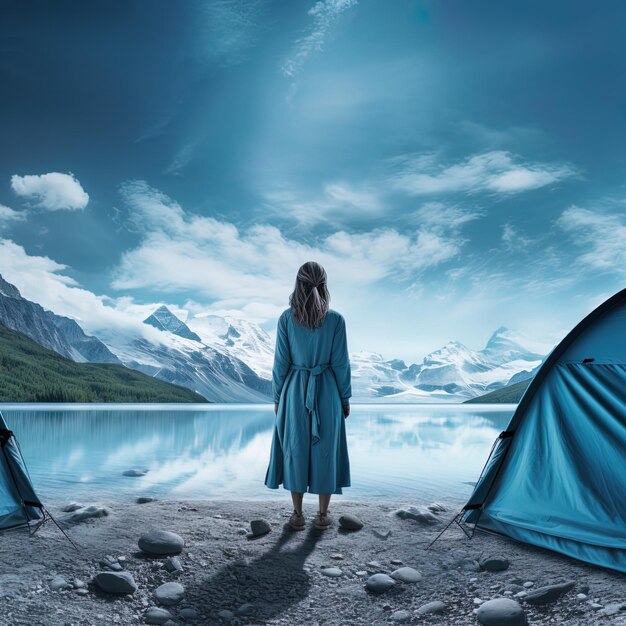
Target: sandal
(296, 521)
(322, 520)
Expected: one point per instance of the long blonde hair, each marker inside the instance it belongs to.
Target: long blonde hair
(310, 298)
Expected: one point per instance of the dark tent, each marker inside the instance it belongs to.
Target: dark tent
(556, 478)
(19, 505)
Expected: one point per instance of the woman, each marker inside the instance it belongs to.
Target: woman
(311, 387)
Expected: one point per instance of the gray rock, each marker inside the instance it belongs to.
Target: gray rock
(350, 522)
(501, 612)
(245, 609)
(613, 608)
(58, 583)
(379, 583)
(111, 563)
(374, 565)
(145, 499)
(382, 534)
(549, 593)
(85, 513)
(161, 542)
(172, 564)
(189, 614)
(396, 561)
(337, 556)
(71, 507)
(78, 584)
(406, 575)
(332, 572)
(169, 594)
(435, 607)
(528, 584)
(419, 514)
(401, 616)
(81, 592)
(155, 615)
(226, 614)
(135, 472)
(115, 582)
(259, 527)
(494, 564)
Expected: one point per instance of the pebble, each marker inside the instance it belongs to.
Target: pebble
(85, 513)
(382, 534)
(169, 594)
(434, 607)
(82, 591)
(596, 606)
(379, 583)
(145, 499)
(135, 472)
(226, 614)
(111, 563)
(71, 507)
(374, 565)
(528, 584)
(337, 556)
(613, 608)
(58, 583)
(244, 609)
(501, 612)
(361, 572)
(400, 616)
(494, 564)
(419, 514)
(581, 596)
(115, 582)
(161, 542)
(333, 572)
(396, 561)
(155, 615)
(172, 564)
(259, 527)
(189, 614)
(549, 593)
(78, 584)
(406, 575)
(350, 522)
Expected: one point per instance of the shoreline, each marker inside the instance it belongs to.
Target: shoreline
(277, 578)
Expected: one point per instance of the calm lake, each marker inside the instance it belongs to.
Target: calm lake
(413, 453)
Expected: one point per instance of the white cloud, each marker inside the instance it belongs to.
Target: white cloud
(496, 171)
(43, 280)
(255, 267)
(53, 191)
(325, 14)
(8, 214)
(602, 235)
(440, 215)
(338, 200)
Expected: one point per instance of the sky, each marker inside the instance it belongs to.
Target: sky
(454, 166)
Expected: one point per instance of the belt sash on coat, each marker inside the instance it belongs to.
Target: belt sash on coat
(311, 396)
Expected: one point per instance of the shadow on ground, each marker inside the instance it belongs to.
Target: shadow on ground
(271, 583)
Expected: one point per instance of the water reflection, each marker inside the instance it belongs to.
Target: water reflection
(396, 452)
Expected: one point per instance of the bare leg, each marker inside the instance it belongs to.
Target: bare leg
(324, 502)
(297, 501)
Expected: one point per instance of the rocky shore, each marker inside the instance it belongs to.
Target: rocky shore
(237, 563)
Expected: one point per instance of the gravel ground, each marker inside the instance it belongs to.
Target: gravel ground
(277, 578)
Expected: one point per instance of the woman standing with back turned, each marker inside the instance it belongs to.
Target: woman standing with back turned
(311, 387)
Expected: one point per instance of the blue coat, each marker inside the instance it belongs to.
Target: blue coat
(311, 384)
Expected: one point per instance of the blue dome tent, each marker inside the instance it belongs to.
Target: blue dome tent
(556, 478)
(19, 505)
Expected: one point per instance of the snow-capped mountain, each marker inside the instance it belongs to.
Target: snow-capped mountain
(451, 374)
(164, 319)
(239, 338)
(182, 357)
(58, 333)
